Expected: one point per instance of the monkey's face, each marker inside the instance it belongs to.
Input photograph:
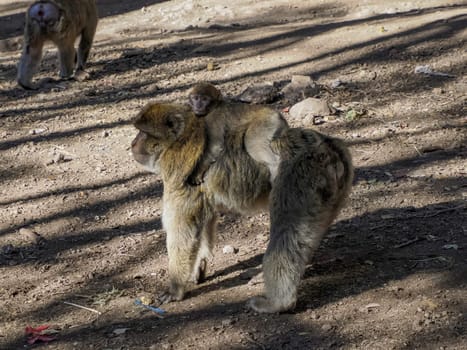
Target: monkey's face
(200, 103)
(146, 151)
(45, 14)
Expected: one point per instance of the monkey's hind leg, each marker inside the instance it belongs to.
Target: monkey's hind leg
(87, 37)
(205, 251)
(299, 219)
(283, 266)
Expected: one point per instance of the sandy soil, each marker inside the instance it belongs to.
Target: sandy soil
(80, 221)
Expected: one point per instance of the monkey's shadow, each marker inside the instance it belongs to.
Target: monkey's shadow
(354, 257)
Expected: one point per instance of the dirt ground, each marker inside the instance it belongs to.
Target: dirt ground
(80, 221)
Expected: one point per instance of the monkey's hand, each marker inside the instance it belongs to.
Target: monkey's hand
(196, 178)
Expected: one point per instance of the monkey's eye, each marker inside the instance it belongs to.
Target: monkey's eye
(169, 123)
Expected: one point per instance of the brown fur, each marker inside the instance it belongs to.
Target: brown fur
(66, 20)
(314, 178)
(261, 123)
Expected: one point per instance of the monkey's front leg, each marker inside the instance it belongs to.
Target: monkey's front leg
(184, 229)
(29, 62)
(67, 59)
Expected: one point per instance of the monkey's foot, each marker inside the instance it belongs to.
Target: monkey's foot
(200, 275)
(264, 305)
(166, 298)
(81, 75)
(170, 296)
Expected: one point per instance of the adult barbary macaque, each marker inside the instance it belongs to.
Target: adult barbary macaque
(59, 21)
(313, 180)
(261, 125)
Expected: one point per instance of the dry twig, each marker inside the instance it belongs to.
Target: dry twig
(83, 307)
(406, 243)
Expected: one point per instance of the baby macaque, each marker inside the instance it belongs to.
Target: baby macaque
(261, 125)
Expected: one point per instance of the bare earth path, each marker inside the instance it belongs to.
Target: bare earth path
(391, 274)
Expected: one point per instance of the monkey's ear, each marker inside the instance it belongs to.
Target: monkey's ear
(144, 120)
(143, 123)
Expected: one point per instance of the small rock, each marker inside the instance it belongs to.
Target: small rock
(37, 131)
(67, 158)
(314, 315)
(260, 93)
(369, 307)
(58, 158)
(326, 327)
(227, 322)
(301, 86)
(336, 83)
(372, 305)
(228, 249)
(313, 107)
(30, 235)
(119, 331)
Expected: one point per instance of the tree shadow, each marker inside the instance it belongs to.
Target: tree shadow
(375, 50)
(361, 259)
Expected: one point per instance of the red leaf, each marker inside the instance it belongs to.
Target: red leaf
(37, 330)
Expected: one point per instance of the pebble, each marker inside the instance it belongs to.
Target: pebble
(37, 131)
(228, 249)
(30, 235)
(227, 322)
(300, 87)
(260, 93)
(336, 83)
(311, 106)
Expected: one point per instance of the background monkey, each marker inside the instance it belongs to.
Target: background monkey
(262, 124)
(313, 180)
(59, 21)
